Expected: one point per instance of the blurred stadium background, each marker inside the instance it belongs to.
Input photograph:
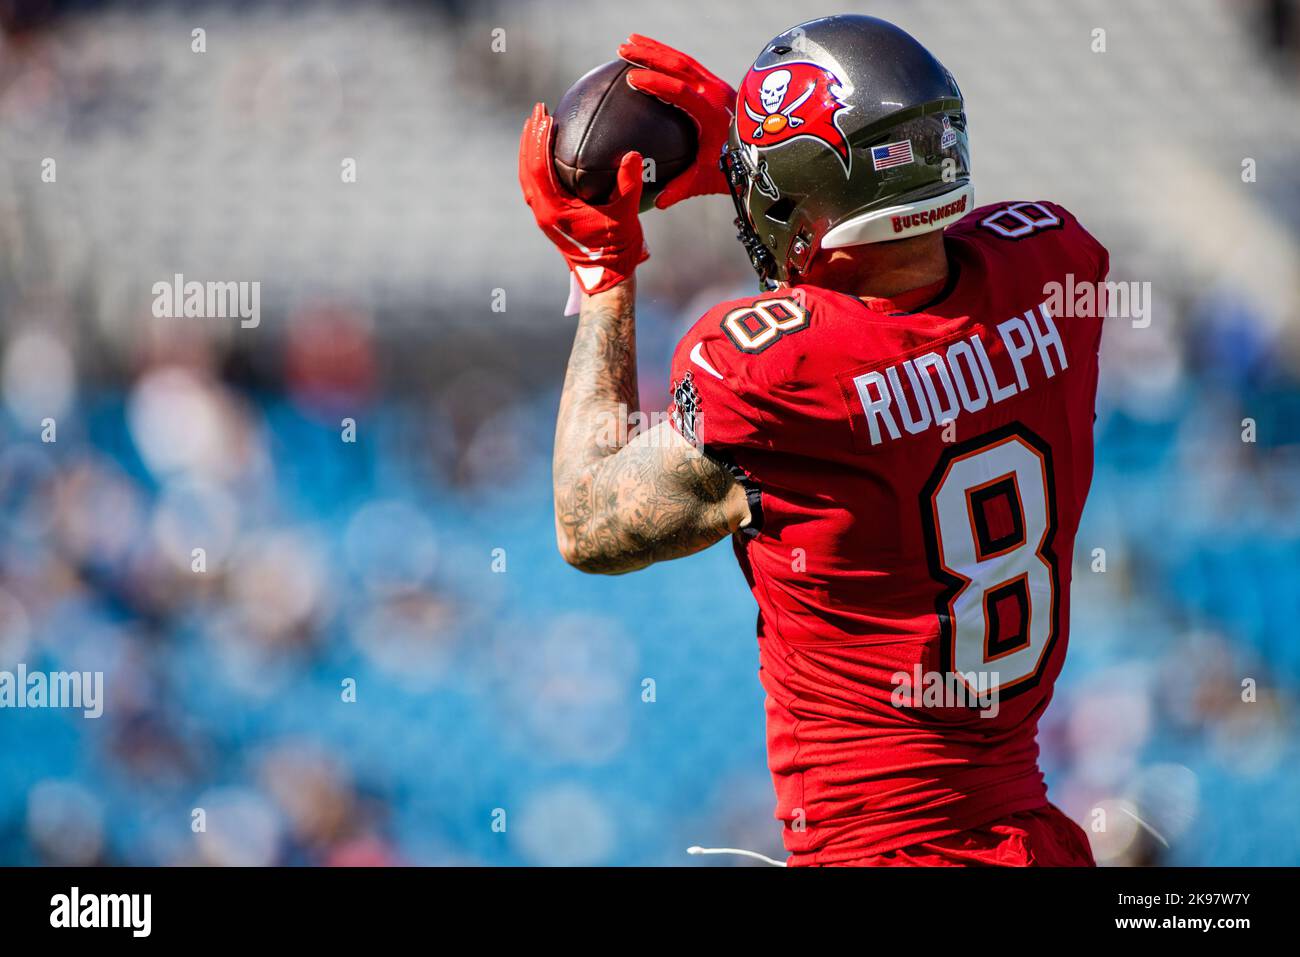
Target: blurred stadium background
(521, 689)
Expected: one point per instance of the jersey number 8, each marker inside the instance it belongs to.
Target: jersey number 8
(989, 514)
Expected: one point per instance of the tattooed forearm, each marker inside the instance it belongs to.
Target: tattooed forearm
(618, 509)
(600, 384)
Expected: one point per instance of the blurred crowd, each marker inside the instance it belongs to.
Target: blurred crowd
(375, 654)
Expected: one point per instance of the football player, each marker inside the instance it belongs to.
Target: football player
(895, 433)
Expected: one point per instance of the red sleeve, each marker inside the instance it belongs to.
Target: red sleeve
(1079, 245)
(707, 410)
(722, 402)
(722, 395)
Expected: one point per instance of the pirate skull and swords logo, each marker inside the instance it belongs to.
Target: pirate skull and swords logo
(789, 100)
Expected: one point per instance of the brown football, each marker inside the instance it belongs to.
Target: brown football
(600, 118)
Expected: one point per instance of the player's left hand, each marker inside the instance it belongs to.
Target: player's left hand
(602, 244)
(680, 81)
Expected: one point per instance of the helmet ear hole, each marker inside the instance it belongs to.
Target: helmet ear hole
(780, 211)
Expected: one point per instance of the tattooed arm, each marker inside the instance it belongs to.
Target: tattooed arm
(618, 509)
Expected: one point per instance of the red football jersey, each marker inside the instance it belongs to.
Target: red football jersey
(916, 471)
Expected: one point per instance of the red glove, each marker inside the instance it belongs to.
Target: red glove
(680, 81)
(602, 244)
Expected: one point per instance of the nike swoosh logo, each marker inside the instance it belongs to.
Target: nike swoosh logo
(697, 356)
(588, 252)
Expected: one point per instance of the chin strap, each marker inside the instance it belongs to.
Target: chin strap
(733, 166)
(695, 849)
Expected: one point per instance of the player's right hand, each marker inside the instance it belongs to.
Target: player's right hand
(602, 244)
(677, 79)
